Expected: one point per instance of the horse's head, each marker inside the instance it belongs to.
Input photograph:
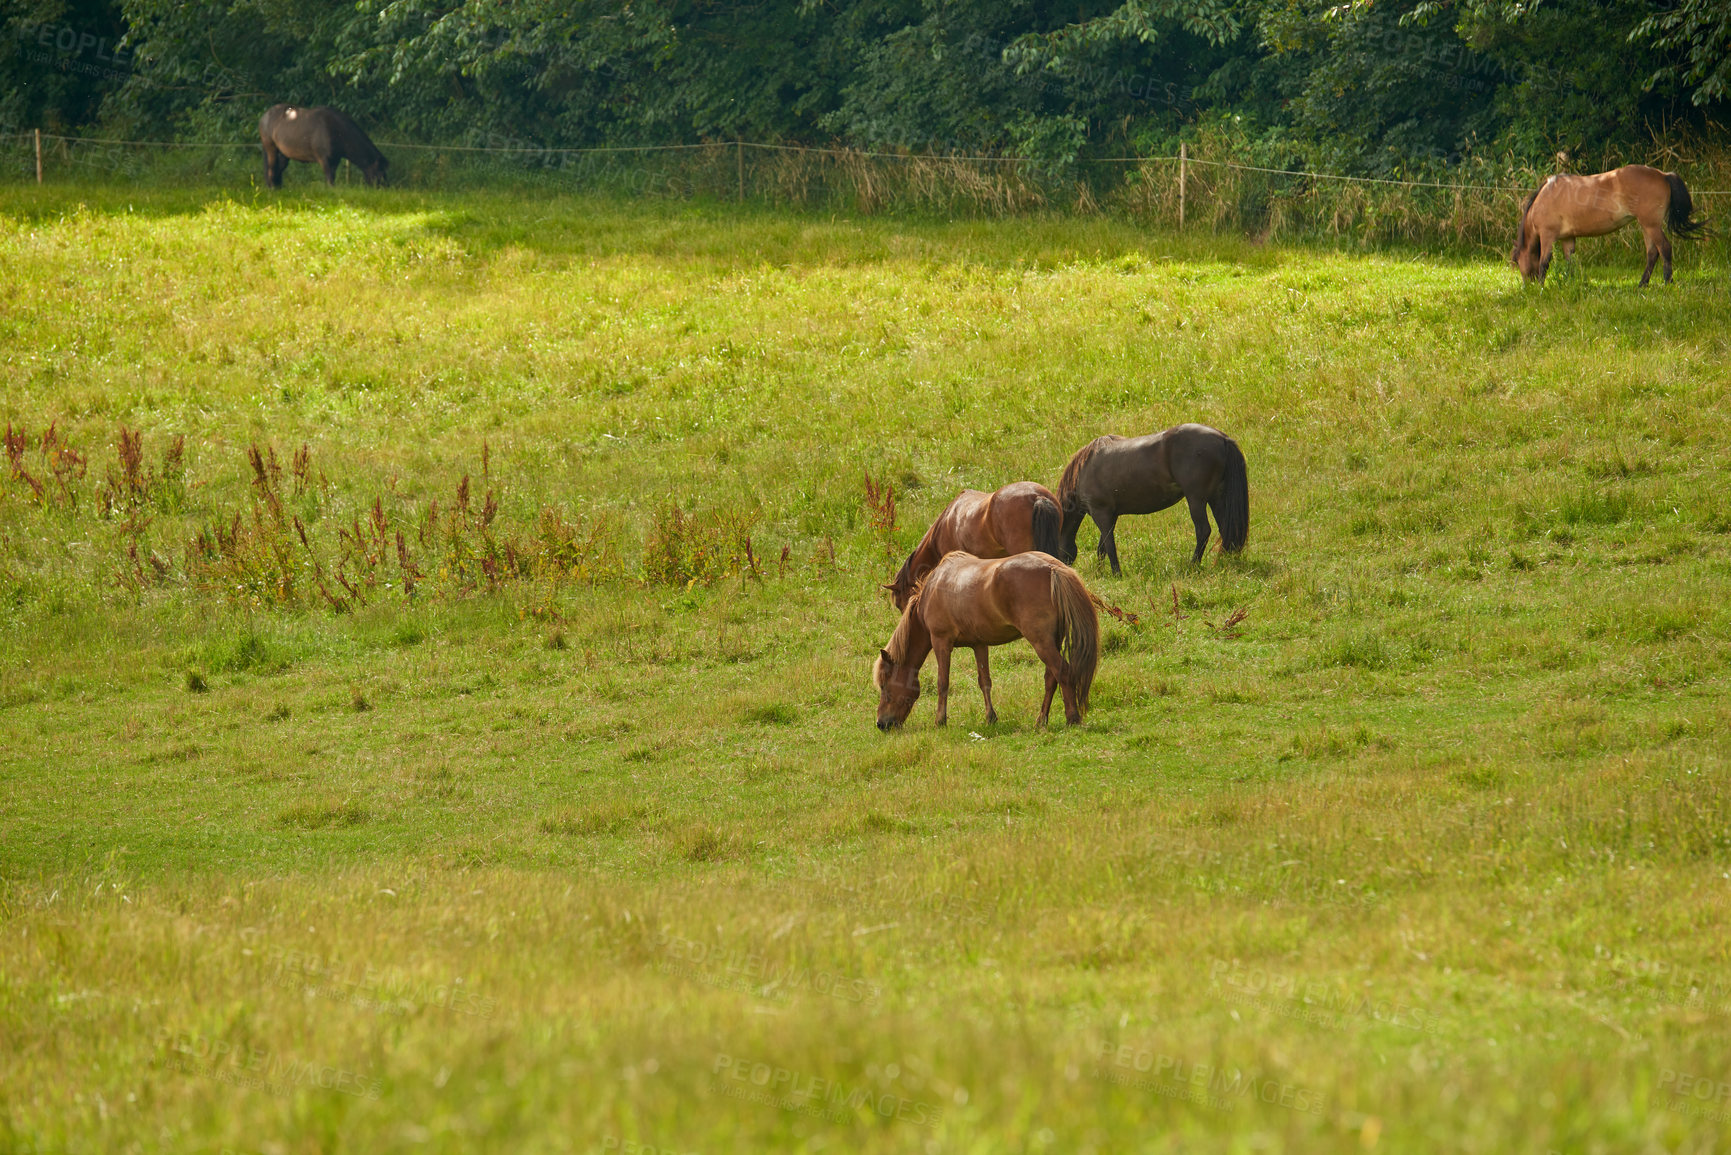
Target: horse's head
(374, 171)
(1070, 515)
(1525, 259)
(1525, 255)
(898, 690)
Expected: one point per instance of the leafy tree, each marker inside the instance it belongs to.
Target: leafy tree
(1384, 87)
(57, 60)
(1373, 90)
(1569, 74)
(1699, 31)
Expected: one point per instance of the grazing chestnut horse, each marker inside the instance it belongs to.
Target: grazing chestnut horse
(1020, 516)
(1567, 206)
(1111, 476)
(969, 601)
(322, 136)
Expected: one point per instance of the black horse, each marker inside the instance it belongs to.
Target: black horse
(317, 135)
(1114, 475)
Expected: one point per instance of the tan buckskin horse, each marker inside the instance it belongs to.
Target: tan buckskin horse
(973, 602)
(1015, 518)
(1568, 206)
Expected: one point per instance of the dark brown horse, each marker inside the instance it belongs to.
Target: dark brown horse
(1568, 206)
(321, 136)
(967, 601)
(1111, 476)
(1016, 518)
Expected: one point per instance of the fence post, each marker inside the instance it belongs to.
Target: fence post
(1183, 163)
(739, 161)
(39, 156)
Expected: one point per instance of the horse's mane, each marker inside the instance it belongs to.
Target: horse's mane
(1072, 471)
(898, 643)
(897, 646)
(1521, 228)
(907, 569)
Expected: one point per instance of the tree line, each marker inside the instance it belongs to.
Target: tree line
(1371, 87)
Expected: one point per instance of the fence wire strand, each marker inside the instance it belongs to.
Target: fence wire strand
(794, 148)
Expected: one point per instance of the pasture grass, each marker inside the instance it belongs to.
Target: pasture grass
(1429, 851)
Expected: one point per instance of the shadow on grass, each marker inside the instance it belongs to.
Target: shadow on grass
(486, 212)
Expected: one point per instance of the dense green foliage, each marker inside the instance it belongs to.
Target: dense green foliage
(1388, 88)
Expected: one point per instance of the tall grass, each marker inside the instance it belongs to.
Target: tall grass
(1470, 206)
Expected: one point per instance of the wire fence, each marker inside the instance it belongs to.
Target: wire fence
(1183, 190)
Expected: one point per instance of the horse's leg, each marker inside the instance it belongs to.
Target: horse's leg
(1054, 658)
(1108, 546)
(1051, 687)
(1665, 252)
(1198, 518)
(329, 164)
(1653, 236)
(983, 660)
(1545, 244)
(941, 651)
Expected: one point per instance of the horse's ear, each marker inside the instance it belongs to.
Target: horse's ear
(884, 657)
(890, 586)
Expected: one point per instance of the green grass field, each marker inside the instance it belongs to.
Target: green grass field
(588, 843)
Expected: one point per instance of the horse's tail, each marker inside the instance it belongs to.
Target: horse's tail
(1073, 471)
(1680, 216)
(1078, 631)
(1231, 501)
(1047, 524)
